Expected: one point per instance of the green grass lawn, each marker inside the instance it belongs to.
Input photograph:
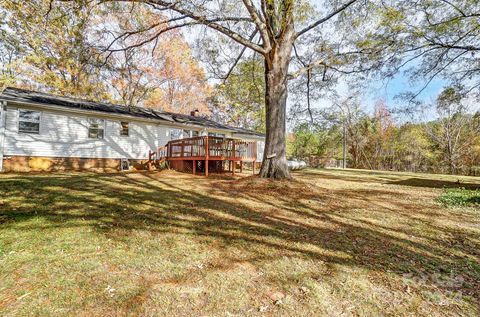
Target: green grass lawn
(328, 243)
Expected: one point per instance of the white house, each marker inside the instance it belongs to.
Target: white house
(40, 131)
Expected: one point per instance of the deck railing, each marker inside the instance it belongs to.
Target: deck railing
(213, 148)
(158, 154)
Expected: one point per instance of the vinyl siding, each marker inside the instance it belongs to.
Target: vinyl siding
(260, 149)
(66, 135)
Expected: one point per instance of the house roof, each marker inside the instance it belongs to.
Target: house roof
(27, 96)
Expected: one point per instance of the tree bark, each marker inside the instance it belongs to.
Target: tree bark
(274, 163)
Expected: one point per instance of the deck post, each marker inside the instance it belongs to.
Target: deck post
(254, 156)
(207, 153)
(233, 155)
(241, 166)
(194, 168)
(149, 162)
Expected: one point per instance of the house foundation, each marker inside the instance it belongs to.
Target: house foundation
(24, 164)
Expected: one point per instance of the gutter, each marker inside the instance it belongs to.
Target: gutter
(3, 123)
(248, 136)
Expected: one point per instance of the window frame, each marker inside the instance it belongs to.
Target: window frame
(19, 110)
(186, 133)
(103, 126)
(179, 131)
(122, 129)
(217, 135)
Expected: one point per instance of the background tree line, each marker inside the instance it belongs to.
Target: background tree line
(449, 142)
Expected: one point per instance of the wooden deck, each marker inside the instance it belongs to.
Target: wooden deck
(207, 154)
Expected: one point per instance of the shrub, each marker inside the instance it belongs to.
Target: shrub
(460, 197)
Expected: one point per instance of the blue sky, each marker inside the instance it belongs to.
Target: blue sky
(389, 89)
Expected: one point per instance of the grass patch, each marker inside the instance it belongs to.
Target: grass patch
(460, 197)
(328, 243)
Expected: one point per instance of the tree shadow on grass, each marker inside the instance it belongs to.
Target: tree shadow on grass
(346, 176)
(433, 183)
(393, 179)
(285, 224)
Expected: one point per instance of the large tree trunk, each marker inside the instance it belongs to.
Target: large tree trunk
(274, 163)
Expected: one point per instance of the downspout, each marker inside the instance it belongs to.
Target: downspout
(3, 123)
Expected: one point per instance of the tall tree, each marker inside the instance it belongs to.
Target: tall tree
(350, 114)
(9, 54)
(240, 99)
(167, 79)
(268, 27)
(315, 143)
(130, 78)
(454, 132)
(412, 149)
(162, 74)
(381, 145)
(52, 41)
(184, 86)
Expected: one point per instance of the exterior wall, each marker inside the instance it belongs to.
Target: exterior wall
(260, 149)
(66, 135)
(3, 112)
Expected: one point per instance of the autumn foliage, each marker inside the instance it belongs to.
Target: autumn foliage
(60, 49)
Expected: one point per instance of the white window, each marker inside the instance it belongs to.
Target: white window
(28, 121)
(218, 135)
(96, 128)
(124, 128)
(176, 134)
(186, 134)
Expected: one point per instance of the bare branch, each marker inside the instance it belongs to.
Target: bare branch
(308, 83)
(259, 22)
(436, 74)
(306, 68)
(455, 7)
(127, 34)
(239, 57)
(201, 19)
(154, 37)
(326, 18)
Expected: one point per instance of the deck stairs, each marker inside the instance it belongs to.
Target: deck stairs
(157, 160)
